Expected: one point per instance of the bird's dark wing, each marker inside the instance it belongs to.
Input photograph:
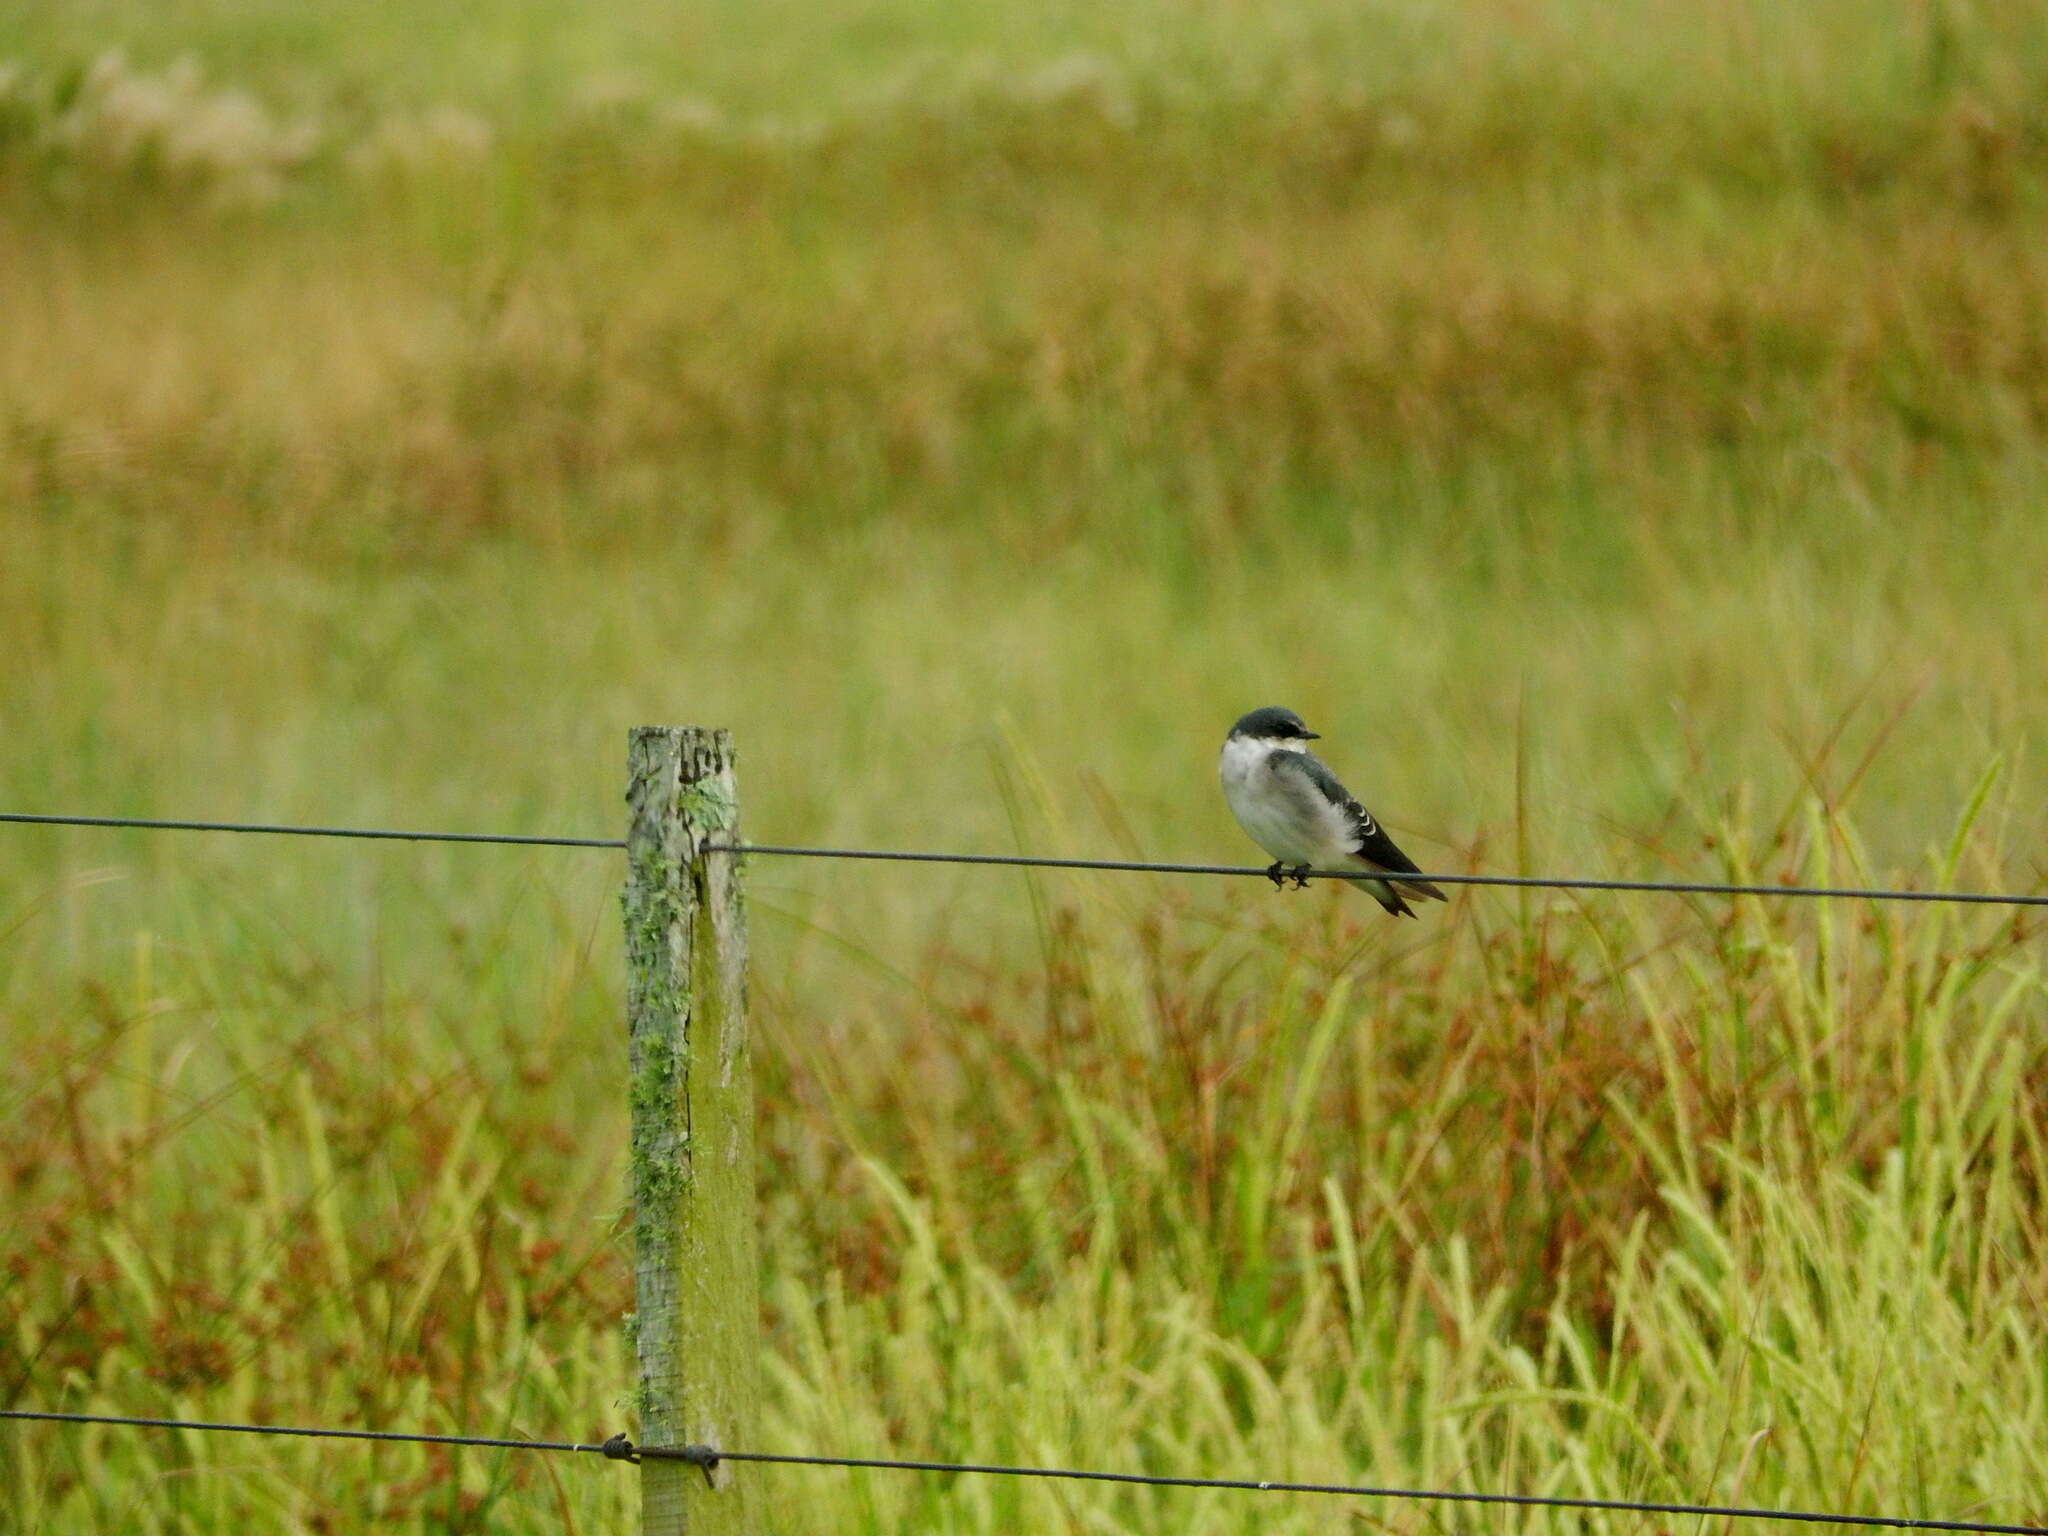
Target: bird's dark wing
(1373, 844)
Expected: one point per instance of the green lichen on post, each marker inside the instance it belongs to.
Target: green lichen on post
(660, 1147)
(690, 1091)
(707, 804)
(645, 1405)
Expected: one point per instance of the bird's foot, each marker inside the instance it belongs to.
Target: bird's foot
(1277, 876)
(1299, 875)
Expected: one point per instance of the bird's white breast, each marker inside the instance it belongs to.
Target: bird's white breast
(1274, 820)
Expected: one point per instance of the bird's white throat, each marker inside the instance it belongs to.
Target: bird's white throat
(1244, 755)
(1241, 754)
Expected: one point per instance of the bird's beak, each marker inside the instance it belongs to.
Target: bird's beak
(1311, 735)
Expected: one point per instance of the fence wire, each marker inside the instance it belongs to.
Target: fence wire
(278, 829)
(619, 1448)
(1025, 861)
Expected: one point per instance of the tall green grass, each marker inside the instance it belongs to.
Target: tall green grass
(1618, 429)
(1672, 1202)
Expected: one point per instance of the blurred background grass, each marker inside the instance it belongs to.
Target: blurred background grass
(1616, 427)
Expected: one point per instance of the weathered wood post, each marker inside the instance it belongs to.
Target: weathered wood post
(696, 1323)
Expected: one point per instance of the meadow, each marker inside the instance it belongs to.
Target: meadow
(1617, 428)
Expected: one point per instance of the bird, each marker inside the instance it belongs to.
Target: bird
(1291, 805)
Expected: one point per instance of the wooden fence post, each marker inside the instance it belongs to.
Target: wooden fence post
(696, 1325)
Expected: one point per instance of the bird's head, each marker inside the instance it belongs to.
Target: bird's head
(1273, 726)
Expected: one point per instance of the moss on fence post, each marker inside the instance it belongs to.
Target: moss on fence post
(696, 1327)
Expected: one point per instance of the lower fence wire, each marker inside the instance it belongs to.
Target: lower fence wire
(619, 1448)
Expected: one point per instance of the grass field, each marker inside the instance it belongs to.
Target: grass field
(1617, 428)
